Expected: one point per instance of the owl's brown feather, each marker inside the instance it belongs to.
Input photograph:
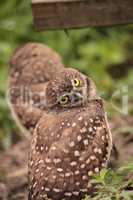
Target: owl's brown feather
(67, 149)
(71, 139)
(34, 63)
(31, 65)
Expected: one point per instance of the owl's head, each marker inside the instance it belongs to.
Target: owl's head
(71, 89)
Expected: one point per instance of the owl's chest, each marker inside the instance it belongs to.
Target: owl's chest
(74, 139)
(67, 150)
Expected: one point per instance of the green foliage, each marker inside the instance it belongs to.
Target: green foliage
(113, 185)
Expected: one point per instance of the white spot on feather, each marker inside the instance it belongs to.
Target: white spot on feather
(76, 153)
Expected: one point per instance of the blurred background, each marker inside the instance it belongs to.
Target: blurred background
(106, 54)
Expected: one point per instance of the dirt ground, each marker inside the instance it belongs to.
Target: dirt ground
(13, 163)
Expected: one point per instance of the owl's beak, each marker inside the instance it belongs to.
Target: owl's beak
(77, 97)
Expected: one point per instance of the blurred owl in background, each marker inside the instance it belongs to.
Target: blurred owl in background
(71, 139)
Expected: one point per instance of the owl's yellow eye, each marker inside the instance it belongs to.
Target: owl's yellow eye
(76, 82)
(64, 100)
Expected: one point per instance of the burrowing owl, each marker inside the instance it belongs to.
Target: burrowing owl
(71, 139)
(31, 65)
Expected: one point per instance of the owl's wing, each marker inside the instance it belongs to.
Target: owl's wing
(31, 65)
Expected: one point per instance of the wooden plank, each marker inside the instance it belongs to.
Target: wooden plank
(66, 14)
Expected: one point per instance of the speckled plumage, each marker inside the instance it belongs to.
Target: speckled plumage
(67, 150)
(31, 65)
(70, 141)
